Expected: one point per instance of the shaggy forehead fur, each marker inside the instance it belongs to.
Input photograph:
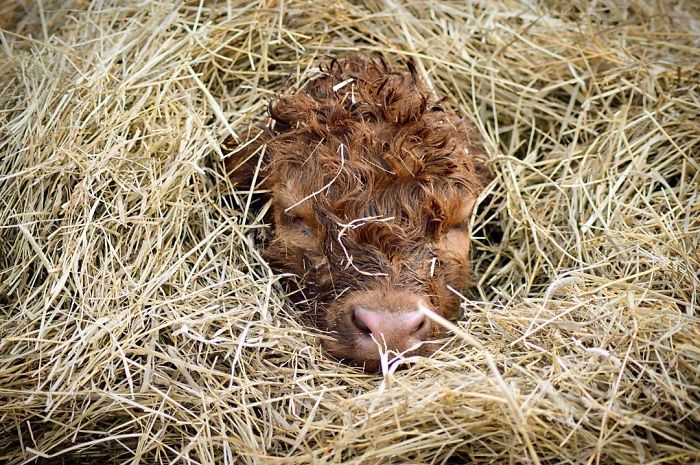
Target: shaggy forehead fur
(367, 140)
(372, 185)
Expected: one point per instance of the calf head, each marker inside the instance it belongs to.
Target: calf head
(372, 188)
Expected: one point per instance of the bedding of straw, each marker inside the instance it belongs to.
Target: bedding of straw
(140, 324)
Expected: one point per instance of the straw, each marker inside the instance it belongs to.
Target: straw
(139, 322)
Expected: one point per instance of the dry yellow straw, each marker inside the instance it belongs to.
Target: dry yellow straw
(140, 324)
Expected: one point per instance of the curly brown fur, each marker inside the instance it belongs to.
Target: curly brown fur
(372, 186)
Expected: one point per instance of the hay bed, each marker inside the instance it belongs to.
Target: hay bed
(138, 322)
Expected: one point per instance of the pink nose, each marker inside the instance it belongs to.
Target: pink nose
(398, 331)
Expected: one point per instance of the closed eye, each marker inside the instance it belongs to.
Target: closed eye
(296, 222)
(461, 226)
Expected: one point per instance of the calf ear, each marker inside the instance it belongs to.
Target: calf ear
(246, 159)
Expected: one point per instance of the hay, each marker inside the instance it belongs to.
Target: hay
(139, 322)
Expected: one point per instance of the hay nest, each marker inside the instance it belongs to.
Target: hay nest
(139, 322)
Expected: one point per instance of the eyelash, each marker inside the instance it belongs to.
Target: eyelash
(296, 223)
(462, 226)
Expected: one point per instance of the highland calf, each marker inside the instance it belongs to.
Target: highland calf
(372, 187)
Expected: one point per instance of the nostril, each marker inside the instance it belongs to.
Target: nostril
(420, 326)
(357, 320)
(371, 321)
